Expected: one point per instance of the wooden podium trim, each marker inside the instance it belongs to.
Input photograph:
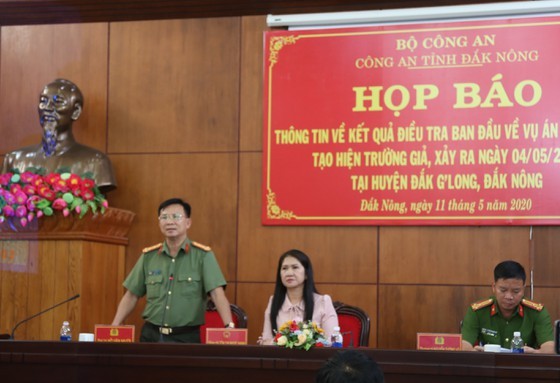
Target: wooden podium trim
(111, 227)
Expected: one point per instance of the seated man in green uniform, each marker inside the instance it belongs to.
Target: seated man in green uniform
(176, 277)
(494, 320)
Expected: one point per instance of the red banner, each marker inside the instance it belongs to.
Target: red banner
(448, 123)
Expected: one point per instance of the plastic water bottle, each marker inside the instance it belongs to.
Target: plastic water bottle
(517, 343)
(336, 337)
(65, 332)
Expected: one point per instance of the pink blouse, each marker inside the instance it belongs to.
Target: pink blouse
(323, 314)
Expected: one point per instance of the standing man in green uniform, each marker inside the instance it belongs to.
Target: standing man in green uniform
(493, 320)
(176, 277)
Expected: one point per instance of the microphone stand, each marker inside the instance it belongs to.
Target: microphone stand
(351, 343)
(11, 336)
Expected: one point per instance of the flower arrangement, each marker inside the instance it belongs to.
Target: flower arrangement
(299, 335)
(26, 196)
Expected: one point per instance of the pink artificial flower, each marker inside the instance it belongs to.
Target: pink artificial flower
(60, 186)
(8, 211)
(21, 197)
(74, 181)
(37, 182)
(5, 178)
(29, 189)
(87, 194)
(28, 177)
(88, 183)
(66, 212)
(31, 201)
(10, 198)
(52, 178)
(59, 204)
(47, 193)
(14, 188)
(21, 211)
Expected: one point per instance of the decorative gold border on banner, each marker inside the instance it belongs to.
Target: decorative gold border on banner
(276, 44)
(273, 211)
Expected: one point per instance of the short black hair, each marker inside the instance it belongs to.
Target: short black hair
(175, 201)
(350, 366)
(509, 270)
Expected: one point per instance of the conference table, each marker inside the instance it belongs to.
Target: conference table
(42, 361)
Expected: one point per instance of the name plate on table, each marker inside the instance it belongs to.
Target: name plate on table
(114, 334)
(232, 336)
(437, 341)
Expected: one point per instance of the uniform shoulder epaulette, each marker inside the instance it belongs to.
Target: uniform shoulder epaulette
(481, 304)
(532, 305)
(200, 246)
(151, 248)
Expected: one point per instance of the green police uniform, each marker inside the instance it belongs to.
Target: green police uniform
(176, 289)
(484, 323)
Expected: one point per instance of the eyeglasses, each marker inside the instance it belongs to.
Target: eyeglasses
(174, 217)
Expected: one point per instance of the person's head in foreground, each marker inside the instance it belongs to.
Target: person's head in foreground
(350, 366)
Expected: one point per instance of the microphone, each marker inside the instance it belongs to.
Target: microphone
(165, 307)
(351, 343)
(8, 336)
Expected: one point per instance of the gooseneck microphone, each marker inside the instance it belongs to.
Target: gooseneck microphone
(39, 313)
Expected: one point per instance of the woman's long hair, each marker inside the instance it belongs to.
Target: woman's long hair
(280, 290)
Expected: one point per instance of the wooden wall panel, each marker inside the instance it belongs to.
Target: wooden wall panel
(174, 86)
(207, 181)
(103, 293)
(47, 274)
(405, 310)
(546, 245)
(251, 107)
(339, 254)
(33, 56)
(253, 298)
(448, 255)
(14, 288)
(549, 297)
(27, 292)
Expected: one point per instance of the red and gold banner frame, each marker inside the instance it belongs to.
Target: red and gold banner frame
(433, 124)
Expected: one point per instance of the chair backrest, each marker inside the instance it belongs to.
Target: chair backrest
(354, 325)
(213, 320)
